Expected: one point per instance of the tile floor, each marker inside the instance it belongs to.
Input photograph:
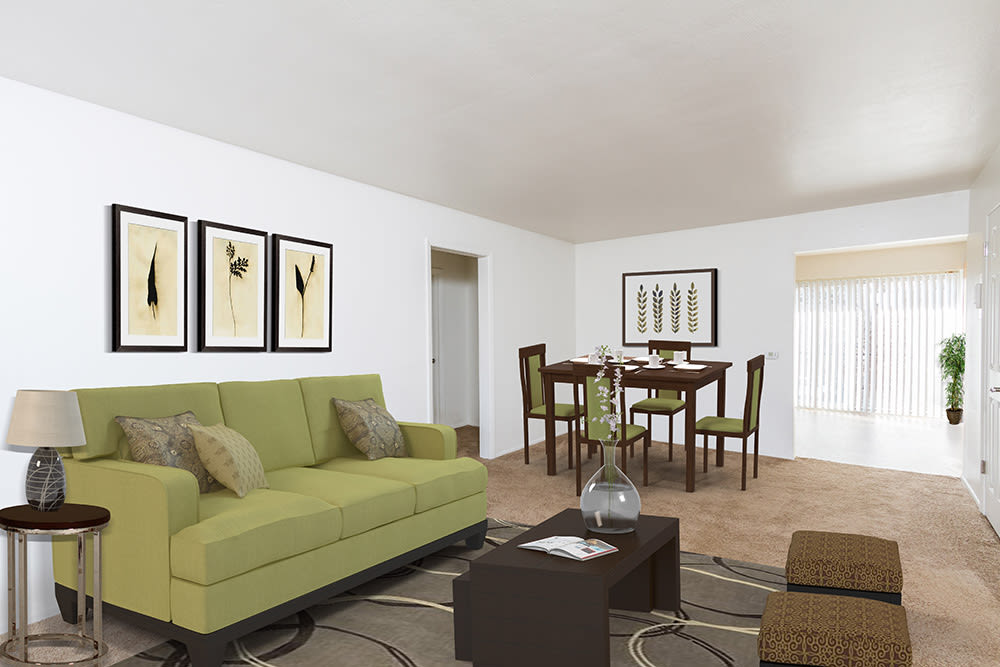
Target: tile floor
(913, 444)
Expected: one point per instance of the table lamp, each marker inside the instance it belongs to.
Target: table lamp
(45, 419)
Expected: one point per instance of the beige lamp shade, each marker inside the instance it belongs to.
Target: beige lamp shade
(46, 419)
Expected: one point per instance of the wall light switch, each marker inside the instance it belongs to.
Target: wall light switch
(771, 355)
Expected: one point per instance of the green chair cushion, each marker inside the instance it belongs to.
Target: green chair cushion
(561, 410)
(727, 424)
(271, 415)
(365, 501)
(658, 405)
(436, 482)
(328, 438)
(633, 431)
(237, 535)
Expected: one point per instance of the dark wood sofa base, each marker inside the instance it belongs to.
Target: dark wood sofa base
(891, 598)
(208, 650)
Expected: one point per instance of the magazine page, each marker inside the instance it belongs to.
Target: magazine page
(570, 547)
(549, 543)
(585, 549)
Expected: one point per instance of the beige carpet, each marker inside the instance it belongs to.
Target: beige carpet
(950, 554)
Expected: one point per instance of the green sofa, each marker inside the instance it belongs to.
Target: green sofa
(206, 569)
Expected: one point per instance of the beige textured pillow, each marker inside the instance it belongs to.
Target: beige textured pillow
(230, 458)
(371, 428)
(166, 441)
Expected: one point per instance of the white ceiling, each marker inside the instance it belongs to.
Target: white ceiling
(579, 119)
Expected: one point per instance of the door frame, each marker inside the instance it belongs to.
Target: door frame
(985, 379)
(484, 287)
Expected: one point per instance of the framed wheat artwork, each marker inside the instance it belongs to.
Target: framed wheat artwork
(670, 305)
(148, 280)
(302, 306)
(232, 277)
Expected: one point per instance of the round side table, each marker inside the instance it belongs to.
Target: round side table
(70, 519)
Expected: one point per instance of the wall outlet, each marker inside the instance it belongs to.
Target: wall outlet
(771, 355)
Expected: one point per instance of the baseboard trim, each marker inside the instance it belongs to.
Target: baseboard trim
(975, 496)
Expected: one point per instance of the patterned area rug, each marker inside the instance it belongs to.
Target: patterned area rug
(405, 618)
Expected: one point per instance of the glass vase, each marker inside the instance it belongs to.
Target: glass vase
(609, 501)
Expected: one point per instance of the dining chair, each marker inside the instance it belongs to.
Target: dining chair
(530, 359)
(593, 431)
(662, 401)
(729, 427)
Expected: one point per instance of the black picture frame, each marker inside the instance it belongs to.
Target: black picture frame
(290, 283)
(656, 306)
(247, 270)
(148, 293)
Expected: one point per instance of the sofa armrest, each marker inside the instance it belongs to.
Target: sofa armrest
(429, 441)
(148, 504)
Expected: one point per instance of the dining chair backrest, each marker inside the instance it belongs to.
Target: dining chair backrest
(585, 377)
(664, 347)
(755, 385)
(530, 359)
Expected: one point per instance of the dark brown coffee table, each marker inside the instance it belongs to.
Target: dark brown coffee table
(523, 607)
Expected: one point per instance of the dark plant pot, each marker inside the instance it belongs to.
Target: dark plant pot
(954, 416)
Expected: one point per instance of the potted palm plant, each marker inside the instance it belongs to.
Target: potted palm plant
(952, 362)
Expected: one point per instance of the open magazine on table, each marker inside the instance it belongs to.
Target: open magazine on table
(573, 547)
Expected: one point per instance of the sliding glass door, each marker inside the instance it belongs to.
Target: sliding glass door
(870, 345)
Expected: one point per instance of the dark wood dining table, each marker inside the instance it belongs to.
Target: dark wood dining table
(688, 382)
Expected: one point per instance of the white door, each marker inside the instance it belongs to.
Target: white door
(991, 334)
(436, 342)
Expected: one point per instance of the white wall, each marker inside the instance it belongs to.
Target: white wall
(983, 198)
(64, 162)
(457, 307)
(756, 285)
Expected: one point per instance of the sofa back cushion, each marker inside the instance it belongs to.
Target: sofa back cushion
(99, 407)
(328, 438)
(271, 415)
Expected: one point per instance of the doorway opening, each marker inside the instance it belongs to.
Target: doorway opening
(868, 327)
(456, 322)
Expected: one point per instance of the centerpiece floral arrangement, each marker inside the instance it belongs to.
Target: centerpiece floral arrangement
(609, 501)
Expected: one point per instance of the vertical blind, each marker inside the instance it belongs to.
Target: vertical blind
(871, 344)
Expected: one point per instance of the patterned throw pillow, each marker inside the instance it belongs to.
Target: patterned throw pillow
(371, 428)
(166, 441)
(230, 458)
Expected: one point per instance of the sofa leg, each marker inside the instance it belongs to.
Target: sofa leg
(477, 540)
(66, 599)
(206, 652)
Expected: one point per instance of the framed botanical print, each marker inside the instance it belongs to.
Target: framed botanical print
(232, 277)
(148, 280)
(302, 318)
(670, 305)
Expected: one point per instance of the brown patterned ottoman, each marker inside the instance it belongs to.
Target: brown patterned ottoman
(844, 564)
(831, 630)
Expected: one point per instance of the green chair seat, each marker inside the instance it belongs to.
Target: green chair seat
(727, 424)
(237, 535)
(633, 431)
(561, 410)
(436, 482)
(658, 404)
(366, 502)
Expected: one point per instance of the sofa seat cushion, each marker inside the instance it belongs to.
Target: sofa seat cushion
(236, 535)
(436, 482)
(365, 501)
